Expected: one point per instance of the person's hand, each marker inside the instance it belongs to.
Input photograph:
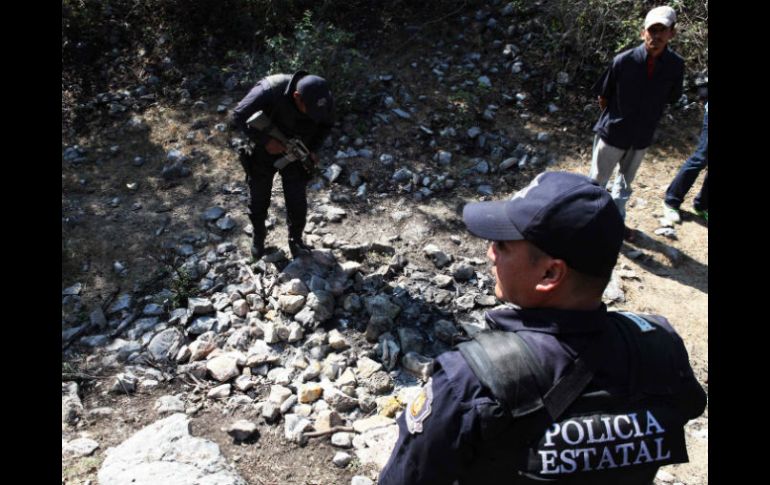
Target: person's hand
(602, 103)
(274, 147)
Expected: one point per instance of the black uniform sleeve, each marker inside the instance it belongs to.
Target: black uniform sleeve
(260, 98)
(437, 454)
(605, 85)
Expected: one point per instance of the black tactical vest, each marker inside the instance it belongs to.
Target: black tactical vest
(559, 433)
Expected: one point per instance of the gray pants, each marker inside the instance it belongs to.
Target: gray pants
(604, 160)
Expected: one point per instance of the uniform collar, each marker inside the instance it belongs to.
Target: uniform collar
(640, 53)
(292, 86)
(548, 320)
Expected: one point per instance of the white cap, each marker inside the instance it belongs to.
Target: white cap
(660, 15)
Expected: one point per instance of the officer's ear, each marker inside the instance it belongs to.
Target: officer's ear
(298, 102)
(554, 275)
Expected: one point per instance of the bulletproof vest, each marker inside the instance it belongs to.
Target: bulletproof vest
(284, 113)
(560, 433)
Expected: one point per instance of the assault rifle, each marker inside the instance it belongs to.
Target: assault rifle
(296, 151)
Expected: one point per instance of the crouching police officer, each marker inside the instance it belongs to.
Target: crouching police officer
(299, 106)
(558, 389)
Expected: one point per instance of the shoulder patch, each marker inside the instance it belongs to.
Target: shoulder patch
(419, 408)
(640, 322)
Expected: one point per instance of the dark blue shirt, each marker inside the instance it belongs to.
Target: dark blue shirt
(462, 414)
(634, 102)
(273, 95)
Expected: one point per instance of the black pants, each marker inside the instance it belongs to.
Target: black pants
(259, 176)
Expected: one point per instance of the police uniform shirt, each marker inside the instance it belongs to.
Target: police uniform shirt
(445, 431)
(273, 95)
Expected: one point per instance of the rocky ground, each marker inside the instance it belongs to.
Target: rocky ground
(182, 357)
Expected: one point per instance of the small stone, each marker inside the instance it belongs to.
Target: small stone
(337, 340)
(360, 480)
(373, 422)
(366, 367)
(242, 430)
(223, 368)
(219, 392)
(309, 392)
(80, 447)
(342, 459)
(342, 440)
(278, 394)
(169, 405)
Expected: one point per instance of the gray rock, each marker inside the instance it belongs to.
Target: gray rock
(542, 136)
(226, 223)
(123, 302)
(411, 339)
(342, 459)
(342, 440)
(124, 383)
(332, 173)
(614, 291)
(242, 430)
(338, 400)
(219, 392)
(439, 258)
(382, 306)
(321, 303)
(466, 302)
(366, 367)
(485, 190)
(484, 81)
(165, 452)
(72, 290)
(169, 404)
(165, 345)
(71, 406)
(378, 383)
(444, 157)
(482, 167)
(294, 427)
(401, 113)
(80, 447)
(474, 132)
(418, 365)
(442, 281)
(291, 304)
(213, 214)
(152, 309)
(361, 480)
(223, 367)
(445, 331)
(199, 306)
(388, 351)
(463, 271)
(386, 159)
(270, 411)
(666, 232)
(403, 175)
(201, 325)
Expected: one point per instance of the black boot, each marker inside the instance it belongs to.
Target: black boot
(257, 247)
(298, 248)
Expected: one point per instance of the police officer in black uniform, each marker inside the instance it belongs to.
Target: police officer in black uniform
(558, 389)
(299, 106)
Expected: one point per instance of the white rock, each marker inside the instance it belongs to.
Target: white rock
(169, 404)
(279, 394)
(223, 368)
(337, 340)
(341, 459)
(80, 447)
(219, 392)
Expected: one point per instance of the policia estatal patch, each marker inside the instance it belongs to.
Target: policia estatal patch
(419, 408)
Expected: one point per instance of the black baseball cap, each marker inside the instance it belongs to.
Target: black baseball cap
(317, 97)
(568, 216)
